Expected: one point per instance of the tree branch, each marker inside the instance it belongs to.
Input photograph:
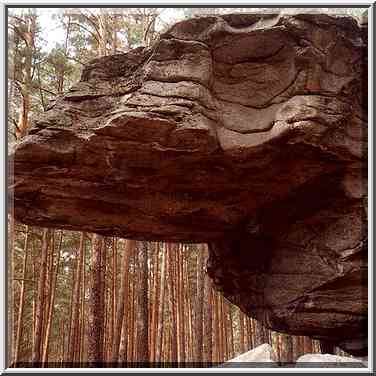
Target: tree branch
(90, 20)
(45, 90)
(88, 30)
(40, 90)
(18, 18)
(153, 18)
(19, 33)
(34, 86)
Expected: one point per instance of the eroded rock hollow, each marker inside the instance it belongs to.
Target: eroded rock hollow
(247, 132)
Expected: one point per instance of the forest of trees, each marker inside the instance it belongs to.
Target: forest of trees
(79, 298)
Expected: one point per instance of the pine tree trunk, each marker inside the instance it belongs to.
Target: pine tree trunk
(131, 336)
(200, 305)
(154, 304)
(279, 352)
(126, 342)
(75, 302)
(259, 334)
(301, 345)
(77, 344)
(70, 322)
(173, 302)
(82, 336)
(29, 37)
(226, 328)
(231, 332)
(123, 300)
(11, 283)
(131, 312)
(22, 298)
(37, 348)
(295, 347)
(34, 305)
(161, 300)
(102, 35)
(247, 324)
(308, 346)
(48, 292)
(220, 329)
(51, 304)
(142, 311)
(113, 295)
(289, 348)
(114, 36)
(124, 339)
(180, 304)
(188, 327)
(104, 296)
(62, 347)
(208, 332)
(241, 327)
(95, 303)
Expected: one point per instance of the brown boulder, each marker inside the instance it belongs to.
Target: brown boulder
(247, 132)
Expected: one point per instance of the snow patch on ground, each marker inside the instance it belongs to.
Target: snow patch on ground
(262, 353)
(329, 358)
(264, 356)
(326, 358)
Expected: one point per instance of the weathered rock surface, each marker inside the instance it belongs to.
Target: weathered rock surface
(247, 132)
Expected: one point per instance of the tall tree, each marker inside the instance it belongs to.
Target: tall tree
(142, 311)
(175, 346)
(22, 298)
(83, 306)
(260, 336)
(199, 304)
(51, 300)
(161, 300)
(40, 301)
(242, 334)
(25, 28)
(308, 345)
(123, 299)
(208, 332)
(74, 331)
(95, 304)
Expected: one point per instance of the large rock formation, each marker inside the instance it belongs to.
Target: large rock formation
(247, 132)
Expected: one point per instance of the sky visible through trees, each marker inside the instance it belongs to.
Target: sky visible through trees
(53, 31)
